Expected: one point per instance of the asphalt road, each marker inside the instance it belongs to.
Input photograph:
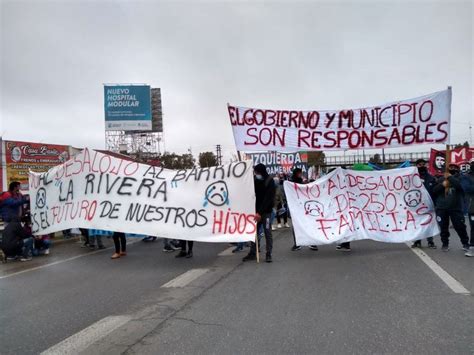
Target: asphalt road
(380, 298)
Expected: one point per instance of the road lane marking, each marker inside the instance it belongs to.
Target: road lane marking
(186, 278)
(60, 262)
(450, 281)
(83, 339)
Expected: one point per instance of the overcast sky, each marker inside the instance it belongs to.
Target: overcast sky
(55, 56)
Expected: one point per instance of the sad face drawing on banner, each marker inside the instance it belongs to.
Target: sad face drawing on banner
(216, 194)
(314, 208)
(41, 198)
(412, 198)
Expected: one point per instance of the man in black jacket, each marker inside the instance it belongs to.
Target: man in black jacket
(467, 182)
(265, 198)
(448, 195)
(430, 182)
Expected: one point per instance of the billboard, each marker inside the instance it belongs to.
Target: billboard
(277, 162)
(20, 157)
(156, 110)
(127, 108)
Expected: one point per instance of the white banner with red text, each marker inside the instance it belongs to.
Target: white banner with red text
(423, 120)
(389, 206)
(99, 191)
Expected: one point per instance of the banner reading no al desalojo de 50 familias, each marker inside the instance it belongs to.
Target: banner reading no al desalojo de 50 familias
(98, 191)
(423, 120)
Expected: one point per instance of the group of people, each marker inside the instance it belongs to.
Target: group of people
(17, 240)
(453, 197)
(452, 194)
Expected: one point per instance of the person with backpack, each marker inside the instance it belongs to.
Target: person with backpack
(265, 198)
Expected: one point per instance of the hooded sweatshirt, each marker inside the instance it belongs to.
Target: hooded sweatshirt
(264, 191)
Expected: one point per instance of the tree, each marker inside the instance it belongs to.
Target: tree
(176, 161)
(464, 145)
(316, 159)
(376, 159)
(207, 159)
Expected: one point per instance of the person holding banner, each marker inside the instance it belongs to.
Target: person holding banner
(297, 177)
(120, 243)
(467, 182)
(429, 182)
(449, 198)
(265, 197)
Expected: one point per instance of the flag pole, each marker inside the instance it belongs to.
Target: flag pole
(448, 147)
(257, 248)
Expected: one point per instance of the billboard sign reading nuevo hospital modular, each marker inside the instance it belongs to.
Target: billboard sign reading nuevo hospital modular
(127, 107)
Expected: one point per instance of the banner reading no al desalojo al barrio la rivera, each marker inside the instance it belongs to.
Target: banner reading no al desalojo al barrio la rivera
(387, 206)
(423, 120)
(99, 191)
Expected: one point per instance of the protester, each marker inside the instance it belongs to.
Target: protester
(297, 177)
(16, 241)
(183, 253)
(449, 194)
(265, 198)
(170, 245)
(120, 245)
(12, 202)
(97, 234)
(280, 204)
(42, 244)
(429, 182)
(467, 182)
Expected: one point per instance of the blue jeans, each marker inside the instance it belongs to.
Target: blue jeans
(27, 249)
(41, 246)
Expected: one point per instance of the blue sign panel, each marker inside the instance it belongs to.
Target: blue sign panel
(127, 107)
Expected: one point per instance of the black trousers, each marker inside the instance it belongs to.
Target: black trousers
(120, 242)
(471, 223)
(267, 229)
(459, 224)
(182, 244)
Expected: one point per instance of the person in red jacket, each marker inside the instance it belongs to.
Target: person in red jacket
(12, 202)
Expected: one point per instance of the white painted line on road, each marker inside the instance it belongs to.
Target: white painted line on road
(80, 341)
(227, 252)
(59, 262)
(450, 281)
(186, 278)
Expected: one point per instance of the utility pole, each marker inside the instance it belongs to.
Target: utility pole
(219, 154)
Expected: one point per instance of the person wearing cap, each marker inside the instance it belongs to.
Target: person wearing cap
(449, 199)
(467, 182)
(264, 200)
(429, 182)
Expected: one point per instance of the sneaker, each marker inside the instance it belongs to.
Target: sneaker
(249, 257)
(46, 252)
(343, 248)
(279, 225)
(189, 255)
(91, 247)
(85, 245)
(115, 256)
(432, 245)
(273, 228)
(123, 253)
(313, 247)
(237, 249)
(465, 247)
(102, 247)
(445, 247)
(295, 248)
(287, 225)
(12, 258)
(470, 252)
(416, 244)
(28, 258)
(168, 249)
(268, 258)
(181, 254)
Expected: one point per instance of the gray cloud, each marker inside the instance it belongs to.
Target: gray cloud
(325, 55)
